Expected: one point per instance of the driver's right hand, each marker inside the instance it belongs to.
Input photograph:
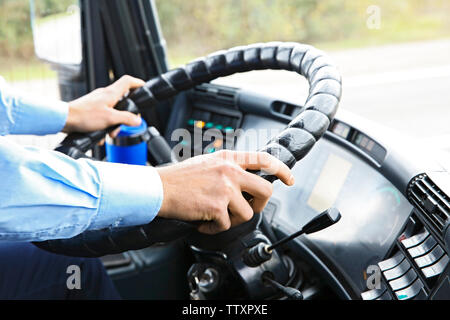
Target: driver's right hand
(209, 188)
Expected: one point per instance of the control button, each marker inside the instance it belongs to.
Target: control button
(200, 124)
(391, 262)
(430, 258)
(385, 296)
(422, 295)
(398, 271)
(437, 268)
(423, 248)
(415, 240)
(403, 281)
(410, 292)
(374, 293)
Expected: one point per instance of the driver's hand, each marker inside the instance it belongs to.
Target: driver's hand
(94, 111)
(209, 188)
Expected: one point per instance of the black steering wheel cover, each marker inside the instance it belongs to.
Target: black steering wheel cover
(290, 146)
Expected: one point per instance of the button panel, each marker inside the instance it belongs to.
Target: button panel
(411, 273)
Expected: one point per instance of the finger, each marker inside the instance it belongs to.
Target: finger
(266, 162)
(259, 188)
(220, 222)
(124, 85)
(240, 210)
(101, 142)
(124, 117)
(114, 133)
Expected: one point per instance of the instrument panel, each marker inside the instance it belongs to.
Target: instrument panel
(373, 211)
(347, 169)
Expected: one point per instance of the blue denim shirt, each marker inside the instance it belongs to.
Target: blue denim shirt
(48, 195)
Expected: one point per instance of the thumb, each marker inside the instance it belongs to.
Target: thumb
(126, 118)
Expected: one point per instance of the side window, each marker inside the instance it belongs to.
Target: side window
(24, 61)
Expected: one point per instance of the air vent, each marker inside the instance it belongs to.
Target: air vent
(434, 203)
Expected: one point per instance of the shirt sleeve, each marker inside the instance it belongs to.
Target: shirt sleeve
(21, 115)
(48, 195)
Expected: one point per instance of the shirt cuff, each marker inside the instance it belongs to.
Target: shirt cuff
(40, 118)
(131, 195)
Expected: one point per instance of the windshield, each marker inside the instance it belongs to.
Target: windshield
(393, 55)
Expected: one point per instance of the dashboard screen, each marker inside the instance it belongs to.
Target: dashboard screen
(373, 211)
(324, 194)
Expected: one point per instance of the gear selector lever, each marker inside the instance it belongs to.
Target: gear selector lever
(262, 252)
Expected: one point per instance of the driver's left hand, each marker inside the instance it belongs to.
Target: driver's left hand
(94, 111)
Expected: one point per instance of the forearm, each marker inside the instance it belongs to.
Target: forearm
(46, 195)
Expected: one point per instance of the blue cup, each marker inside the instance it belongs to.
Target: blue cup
(130, 145)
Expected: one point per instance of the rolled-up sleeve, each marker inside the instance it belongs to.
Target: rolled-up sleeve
(47, 195)
(22, 115)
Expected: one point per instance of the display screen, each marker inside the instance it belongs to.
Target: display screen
(324, 194)
(372, 210)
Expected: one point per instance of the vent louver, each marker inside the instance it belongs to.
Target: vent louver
(432, 201)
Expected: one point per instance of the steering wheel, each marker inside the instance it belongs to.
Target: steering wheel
(290, 146)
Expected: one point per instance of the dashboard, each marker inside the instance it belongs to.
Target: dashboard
(393, 238)
(373, 211)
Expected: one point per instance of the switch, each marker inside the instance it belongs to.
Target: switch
(374, 293)
(415, 240)
(437, 268)
(422, 248)
(411, 291)
(403, 281)
(398, 271)
(430, 258)
(391, 262)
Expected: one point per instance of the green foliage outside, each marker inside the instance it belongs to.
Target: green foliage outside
(197, 27)
(194, 28)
